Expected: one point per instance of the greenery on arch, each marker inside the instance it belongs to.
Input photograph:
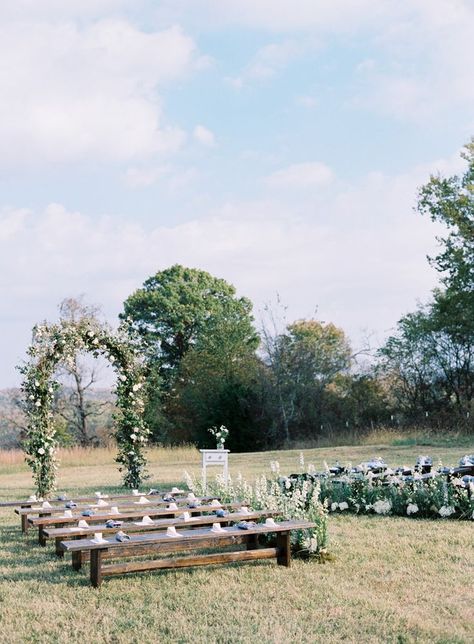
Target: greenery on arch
(54, 344)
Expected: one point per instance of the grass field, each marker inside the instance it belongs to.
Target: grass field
(392, 579)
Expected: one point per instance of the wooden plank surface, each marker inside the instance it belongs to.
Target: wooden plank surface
(187, 535)
(154, 502)
(196, 560)
(151, 511)
(82, 556)
(130, 526)
(84, 499)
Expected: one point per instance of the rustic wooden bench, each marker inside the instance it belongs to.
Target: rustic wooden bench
(154, 512)
(25, 512)
(66, 534)
(200, 538)
(24, 503)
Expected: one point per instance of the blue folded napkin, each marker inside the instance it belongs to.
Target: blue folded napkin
(246, 525)
(221, 512)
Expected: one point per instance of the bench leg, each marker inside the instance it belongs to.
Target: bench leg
(41, 537)
(284, 549)
(24, 523)
(96, 568)
(252, 542)
(59, 550)
(77, 560)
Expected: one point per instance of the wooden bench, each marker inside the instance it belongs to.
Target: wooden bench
(41, 522)
(65, 534)
(200, 538)
(25, 503)
(25, 512)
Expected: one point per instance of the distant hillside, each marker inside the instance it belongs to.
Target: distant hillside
(12, 421)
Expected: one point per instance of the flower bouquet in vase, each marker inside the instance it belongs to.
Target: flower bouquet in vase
(220, 435)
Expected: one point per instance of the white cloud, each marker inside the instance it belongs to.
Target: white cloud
(359, 255)
(47, 9)
(204, 136)
(423, 47)
(145, 176)
(73, 92)
(424, 74)
(301, 175)
(11, 222)
(171, 178)
(271, 59)
(278, 15)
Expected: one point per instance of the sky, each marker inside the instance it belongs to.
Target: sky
(278, 145)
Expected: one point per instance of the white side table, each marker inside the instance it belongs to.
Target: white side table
(214, 457)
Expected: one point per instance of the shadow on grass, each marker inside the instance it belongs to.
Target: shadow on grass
(24, 561)
(33, 565)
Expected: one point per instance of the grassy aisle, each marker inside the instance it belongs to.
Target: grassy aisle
(393, 579)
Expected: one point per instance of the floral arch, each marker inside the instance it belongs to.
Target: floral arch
(53, 344)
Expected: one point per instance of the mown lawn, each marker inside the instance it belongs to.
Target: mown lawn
(392, 579)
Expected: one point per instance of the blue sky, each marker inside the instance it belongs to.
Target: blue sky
(278, 145)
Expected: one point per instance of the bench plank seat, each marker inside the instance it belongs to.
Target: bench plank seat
(84, 503)
(91, 506)
(26, 512)
(85, 499)
(63, 534)
(160, 543)
(41, 522)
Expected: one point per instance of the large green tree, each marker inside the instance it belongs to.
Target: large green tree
(218, 384)
(432, 352)
(302, 362)
(178, 306)
(450, 201)
(181, 311)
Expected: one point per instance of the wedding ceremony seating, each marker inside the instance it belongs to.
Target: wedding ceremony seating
(59, 504)
(173, 541)
(191, 522)
(154, 512)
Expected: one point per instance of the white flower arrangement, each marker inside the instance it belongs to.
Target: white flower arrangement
(412, 508)
(430, 496)
(60, 342)
(302, 501)
(446, 511)
(220, 434)
(343, 505)
(382, 507)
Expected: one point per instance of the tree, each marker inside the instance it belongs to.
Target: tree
(177, 312)
(76, 404)
(13, 423)
(303, 361)
(177, 306)
(432, 353)
(217, 385)
(450, 201)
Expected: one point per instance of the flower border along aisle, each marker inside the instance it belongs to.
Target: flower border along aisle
(299, 501)
(58, 343)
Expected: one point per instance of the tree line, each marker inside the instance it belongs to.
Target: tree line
(288, 383)
(209, 365)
